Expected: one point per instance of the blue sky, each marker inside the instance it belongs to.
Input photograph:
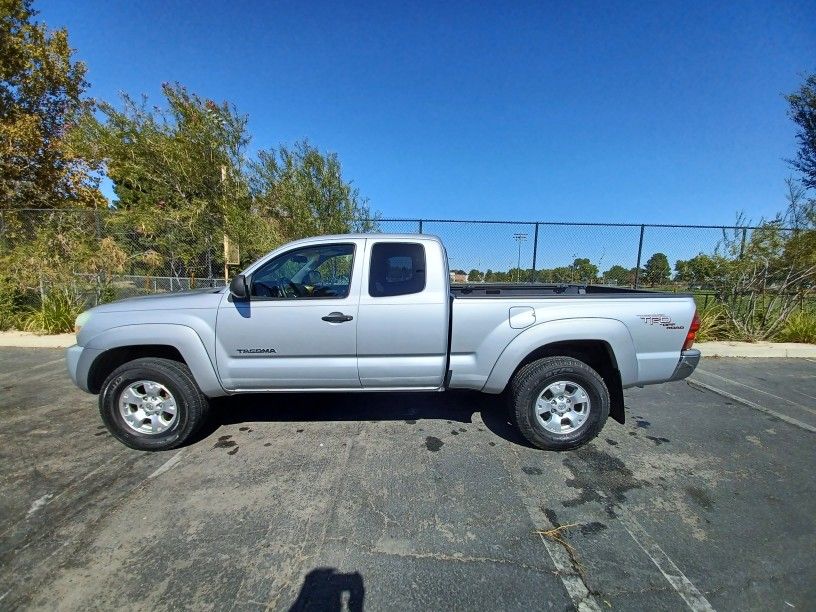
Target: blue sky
(605, 111)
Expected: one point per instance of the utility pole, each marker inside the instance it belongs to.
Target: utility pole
(519, 238)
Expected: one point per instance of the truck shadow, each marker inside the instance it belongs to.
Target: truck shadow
(454, 406)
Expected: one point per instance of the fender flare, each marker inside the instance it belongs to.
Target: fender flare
(181, 337)
(611, 331)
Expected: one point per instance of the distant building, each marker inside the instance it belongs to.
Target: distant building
(458, 277)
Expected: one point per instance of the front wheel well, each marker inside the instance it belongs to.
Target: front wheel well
(111, 359)
(598, 355)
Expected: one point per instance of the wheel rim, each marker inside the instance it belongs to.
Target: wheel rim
(562, 407)
(148, 407)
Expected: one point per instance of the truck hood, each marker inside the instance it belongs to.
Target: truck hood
(198, 298)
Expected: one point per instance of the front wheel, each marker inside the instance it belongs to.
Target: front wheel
(152, 404)
(559, 403)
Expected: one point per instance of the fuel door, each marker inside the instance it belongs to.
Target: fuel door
(521, 317)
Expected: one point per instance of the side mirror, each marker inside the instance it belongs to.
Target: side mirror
(238, 287)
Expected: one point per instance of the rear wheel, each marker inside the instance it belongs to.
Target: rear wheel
(152, 404)
(559, 403)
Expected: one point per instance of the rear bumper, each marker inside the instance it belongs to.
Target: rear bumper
(686, 365)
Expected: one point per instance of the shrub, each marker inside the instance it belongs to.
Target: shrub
(12, 303)
(55, 315)
(714, 324)
(800, 327)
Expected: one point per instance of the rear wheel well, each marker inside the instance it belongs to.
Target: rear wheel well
(598, 355)
(111, 359)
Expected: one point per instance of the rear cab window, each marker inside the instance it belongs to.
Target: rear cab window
(396, 268)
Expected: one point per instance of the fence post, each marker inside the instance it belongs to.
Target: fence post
(420, 226)
(742, 243)
(98, 292)
(640, 252)
(535, 252)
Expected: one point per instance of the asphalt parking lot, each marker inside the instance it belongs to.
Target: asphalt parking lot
(414, 502)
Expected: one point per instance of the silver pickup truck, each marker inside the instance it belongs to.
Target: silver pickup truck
(376, 312)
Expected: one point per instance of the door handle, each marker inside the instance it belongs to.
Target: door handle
(337, 317)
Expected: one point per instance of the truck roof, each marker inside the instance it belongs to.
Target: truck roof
(376, 235)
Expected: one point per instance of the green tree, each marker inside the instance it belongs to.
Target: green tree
(41, 100)
(41, 89)
(681, 270)
(763, 281)
(179, 175)
(474, 276)
(585, 270)
(305, 192)
(802, 110)
(657, 270)
(564, 274)
(617, 275)
(701, 270)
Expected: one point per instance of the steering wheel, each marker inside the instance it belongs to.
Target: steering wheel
(279, 288)
(295, 289)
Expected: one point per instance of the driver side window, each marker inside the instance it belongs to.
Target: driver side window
(322, 271)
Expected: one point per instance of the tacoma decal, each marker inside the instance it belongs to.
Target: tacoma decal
(660, 319)
(254, 351)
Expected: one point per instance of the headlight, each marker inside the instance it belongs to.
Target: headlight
(81, 320)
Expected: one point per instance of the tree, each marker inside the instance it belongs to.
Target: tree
(562, 274)
(41, 100)
(657, 270)
(41, 88)
(305, 192)
(802, 110)
(180, 179)
(584, 270)
(474, 276)
(761, 286)
(617, 275)
(701, 270)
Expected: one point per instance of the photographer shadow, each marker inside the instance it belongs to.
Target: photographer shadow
(324, 588)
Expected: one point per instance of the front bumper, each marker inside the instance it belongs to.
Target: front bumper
(78, 359)
(72, 355)
(686, 365)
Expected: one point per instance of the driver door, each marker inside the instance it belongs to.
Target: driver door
(298, 329)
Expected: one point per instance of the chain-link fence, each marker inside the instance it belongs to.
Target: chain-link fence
(100, 256)
(98, 248)
(578, 252)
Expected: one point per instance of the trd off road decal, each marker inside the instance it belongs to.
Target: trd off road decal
(660, 319)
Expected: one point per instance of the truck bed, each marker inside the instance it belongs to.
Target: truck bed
(543, 290)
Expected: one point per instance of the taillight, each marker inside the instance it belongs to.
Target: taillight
(692, 332)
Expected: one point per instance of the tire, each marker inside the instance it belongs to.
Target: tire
(141, 380)
(541, 377)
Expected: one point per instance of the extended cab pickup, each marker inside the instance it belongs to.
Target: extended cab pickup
(376, 312)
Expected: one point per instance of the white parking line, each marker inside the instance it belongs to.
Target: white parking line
(685, 588)
(38, 503)
(572, 580)
(741, 384)
(52, 498)
(750, 404)
(167, 465)
(15, 373)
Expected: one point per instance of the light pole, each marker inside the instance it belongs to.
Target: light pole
(519, 238)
